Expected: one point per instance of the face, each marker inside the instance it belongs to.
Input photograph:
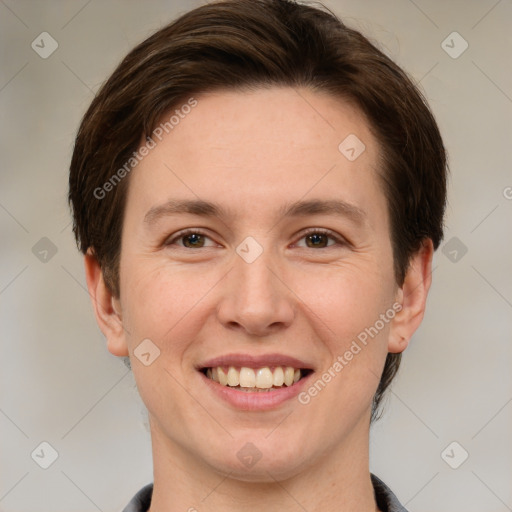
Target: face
(252, 244)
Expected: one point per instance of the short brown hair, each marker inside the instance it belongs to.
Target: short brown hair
(240, 44)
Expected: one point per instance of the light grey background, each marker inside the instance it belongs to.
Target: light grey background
(60, 385)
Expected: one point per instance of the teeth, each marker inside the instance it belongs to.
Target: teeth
(264, 378)
(288, 375)
(249, 379)
(222, 377)
(233, 377)
(278, 376)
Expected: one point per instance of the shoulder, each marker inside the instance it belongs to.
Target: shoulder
(386, 500)
(141, 501)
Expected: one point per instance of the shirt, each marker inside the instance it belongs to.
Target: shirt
(386, 500)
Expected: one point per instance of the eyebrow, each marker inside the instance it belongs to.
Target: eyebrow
(298, 209)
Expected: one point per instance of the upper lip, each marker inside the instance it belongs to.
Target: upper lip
(255, 361)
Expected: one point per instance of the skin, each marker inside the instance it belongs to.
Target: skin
(309, 302)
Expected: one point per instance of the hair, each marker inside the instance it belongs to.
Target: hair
(247, 44)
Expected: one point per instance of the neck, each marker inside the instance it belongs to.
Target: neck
(338, 480)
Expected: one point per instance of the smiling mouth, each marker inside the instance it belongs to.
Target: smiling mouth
(254, 380)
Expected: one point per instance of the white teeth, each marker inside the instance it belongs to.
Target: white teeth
(264, 378)
(247, 377)
(254, 379)
(223, 378)
(233, 377)
(288, 375)
(278, 376)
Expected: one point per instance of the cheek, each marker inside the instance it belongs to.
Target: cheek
(345, 300)
(167, 304)
(353, 322)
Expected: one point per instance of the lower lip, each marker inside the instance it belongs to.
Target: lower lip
(256, 401)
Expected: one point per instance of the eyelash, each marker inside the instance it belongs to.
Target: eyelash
(312, 231)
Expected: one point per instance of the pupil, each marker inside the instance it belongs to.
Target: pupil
(193, 240)
(317, 240)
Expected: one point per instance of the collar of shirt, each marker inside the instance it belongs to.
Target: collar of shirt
(386, 500)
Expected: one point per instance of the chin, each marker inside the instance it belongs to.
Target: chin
(261, 461)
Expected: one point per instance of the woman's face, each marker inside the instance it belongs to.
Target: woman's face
(253, 241)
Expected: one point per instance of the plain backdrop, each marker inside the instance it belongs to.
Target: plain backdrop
(58, 383)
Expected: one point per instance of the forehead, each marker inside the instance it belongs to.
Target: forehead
(260, 149)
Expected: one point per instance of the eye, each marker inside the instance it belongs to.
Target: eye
(320, 238)
(190, 239)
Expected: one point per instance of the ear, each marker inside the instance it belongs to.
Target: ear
(412, 296)
(106, 307)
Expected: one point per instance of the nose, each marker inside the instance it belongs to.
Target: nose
(256, 299)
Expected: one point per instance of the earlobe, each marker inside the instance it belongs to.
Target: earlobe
(106, 307)
(412, 296)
